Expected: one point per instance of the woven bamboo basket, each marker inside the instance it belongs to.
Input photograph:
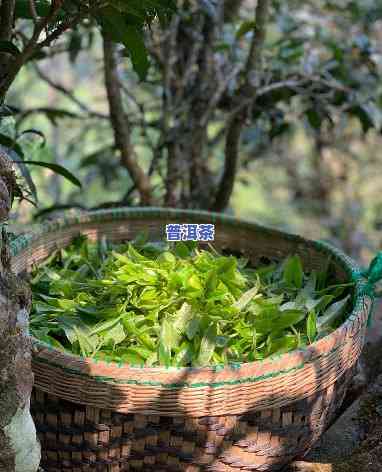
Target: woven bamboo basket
(96, 416)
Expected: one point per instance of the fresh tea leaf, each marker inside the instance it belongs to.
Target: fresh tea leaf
(153, 303)
(247, 297)
(170, 336)
(333, 313)
(293, 272)
(311, 326)
(182, 250)
(192, 328)
(183, 317)
(207, 346)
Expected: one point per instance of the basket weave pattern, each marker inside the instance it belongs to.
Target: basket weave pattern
(256, 416)
(81, 438)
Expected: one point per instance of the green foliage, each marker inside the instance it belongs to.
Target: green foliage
(122, 20)
(12, 142)
(60, 170)
(116, 25)
(341, 70)
(23, 9)
(176, 304)
(245, 28)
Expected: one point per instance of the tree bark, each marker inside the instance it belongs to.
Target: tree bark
(252, 80)
(19, 447)
(227, 181)
(121, 125)
(7, 11)
(257, 46)
(172, 179)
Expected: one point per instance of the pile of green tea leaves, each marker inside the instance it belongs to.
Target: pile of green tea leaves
(175, 304)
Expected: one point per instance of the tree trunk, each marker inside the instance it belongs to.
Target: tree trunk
(19, 447)
(7, 10)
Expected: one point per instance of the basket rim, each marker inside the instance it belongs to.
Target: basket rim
(306, 354)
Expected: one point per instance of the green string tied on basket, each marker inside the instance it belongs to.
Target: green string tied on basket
(373, 275)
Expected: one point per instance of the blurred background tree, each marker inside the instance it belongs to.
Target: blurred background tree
(273, 114)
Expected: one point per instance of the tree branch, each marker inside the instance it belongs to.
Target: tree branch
(216, 97)
(254, 59)
(70, 95)
(168, 113)
(61, 28)
(253, 70)
(32, 45)
(227, 181)
(121, 125)
(297, 83)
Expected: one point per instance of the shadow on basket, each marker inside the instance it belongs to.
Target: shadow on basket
(187, 427)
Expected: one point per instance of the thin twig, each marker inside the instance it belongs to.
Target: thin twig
(69, 94)
(222, 87)
(61, 28)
